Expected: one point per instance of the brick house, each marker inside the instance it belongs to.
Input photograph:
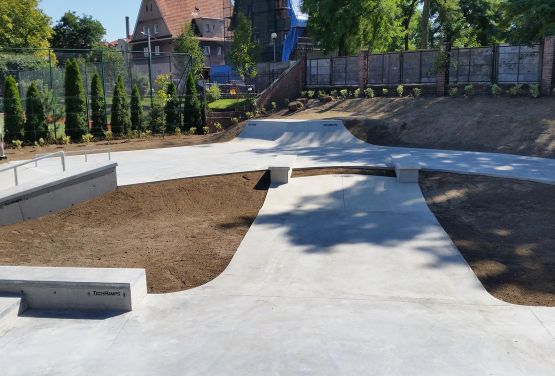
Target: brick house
(165, 20)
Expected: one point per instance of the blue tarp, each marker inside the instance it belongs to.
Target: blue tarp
(297, 30)
(223, 74)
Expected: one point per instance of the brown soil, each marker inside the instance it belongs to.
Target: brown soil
(149, 142)
(183, 232)
(522, 126)
(504, 228)
(302, 172)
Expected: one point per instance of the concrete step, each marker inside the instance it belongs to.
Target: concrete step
(10, 307)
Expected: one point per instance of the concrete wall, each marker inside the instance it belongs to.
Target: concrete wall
(289, 85)
(60, 192)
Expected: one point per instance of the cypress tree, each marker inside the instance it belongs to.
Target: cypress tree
(36, 126)
(172, 108)
(136, 109)
(121, 116)
(98, 115)
(13, 111)
(76, 110)
(192, 106)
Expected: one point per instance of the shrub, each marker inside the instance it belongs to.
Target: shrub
(304, 93)
(453, 92)
(322, 94)
(18, 144)
(369, 92)
(172, 108)
(98, 114)
(42, 142)
(87, 138)
(157, 117)
(416, 92)
(357, 93)
(108, 135)
(535, 91)
(515, 90)
(249, 115)
(177, 131)
(311, 93)
(286, 101)
(121, 114)
(131, 133)
(65, 140)
(385, 92)
(213, 93)
(35, 125)
(137, 116)
(469, 90)
(234, 121)
(193, 130)
(76, 109)
(218, 127)
(400, 90)
(344, 93)
(192, 107)
(496, 90)
(333, 93)
(205, 130)
(13, 110)
(274, 106)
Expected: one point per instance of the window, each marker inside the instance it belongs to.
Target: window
(207, 28)
(156, 31)
(157, 50)
(219, 51)
(145, 50)
(206, 50)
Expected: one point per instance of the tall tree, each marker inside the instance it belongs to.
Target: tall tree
(192, 106)
(172, 108)
(425, 29)
(121, 115)
(408, 10)
(98, 109)
(243, 49)
(76, 105)
(187, 43)
(36, 126)
(23, 25)
(136, 109)
(75, 32)
(14, 120)
(529, 20)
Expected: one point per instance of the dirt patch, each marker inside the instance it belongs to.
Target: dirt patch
(521, 126)
(183, 232)
(303, 172)
(504, 228)
(148, 142)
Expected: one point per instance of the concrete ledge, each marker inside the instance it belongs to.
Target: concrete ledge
(81, 289)
(280, 174)
(56, 193)
(406, 169)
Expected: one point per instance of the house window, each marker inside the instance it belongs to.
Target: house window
(157, 50)
(156, 31)
(206, 50)
(207, 28)
(145, 50)
(219, 51)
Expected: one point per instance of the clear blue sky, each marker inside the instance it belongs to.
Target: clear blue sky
(110, 12)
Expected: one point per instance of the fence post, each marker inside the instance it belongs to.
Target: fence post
(104, 89)
(363, 69)
(547, 65)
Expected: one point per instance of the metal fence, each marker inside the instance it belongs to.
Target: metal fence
(46, 68)
(338, 71)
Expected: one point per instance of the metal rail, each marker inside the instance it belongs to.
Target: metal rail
(60, 154)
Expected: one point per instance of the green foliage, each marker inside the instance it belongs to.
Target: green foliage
(534, 91)
(529, 20)
(23, 25)
(369, 92)
(205, 130)
(218, 127)
(274, 106)
(249, 115)
(137, 116)
(108, 135)
(385, 92)
(35, 124)
(173, 118)
(400, 90)
(76, 118)
(234, 121)
(515, 90)
(469, 90)
(333, 93)
(496, 90)
(98, 106)
(157, 118)
(18, 144)
(213, 93)
(416, 92)
(187, 43)
(357, 93)
(454, 91)
(121, 114)
(192, 109)
(75, 32)
(311, 93)
(14, 120)
(243, 50)
(193, 131)
(65, 140)
(87, 138)
(344, 93)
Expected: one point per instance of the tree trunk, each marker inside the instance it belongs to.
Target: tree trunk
(425, 25)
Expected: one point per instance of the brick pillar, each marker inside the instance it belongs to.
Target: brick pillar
(547, 65)
(442, 75)
(363, 69)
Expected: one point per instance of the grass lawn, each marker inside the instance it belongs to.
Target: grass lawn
(228, 104)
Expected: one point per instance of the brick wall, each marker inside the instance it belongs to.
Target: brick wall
(289, 85)
(547, 65)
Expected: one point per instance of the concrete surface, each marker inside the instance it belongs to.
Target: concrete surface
(84, 289)
(56, 192)
(338, 275)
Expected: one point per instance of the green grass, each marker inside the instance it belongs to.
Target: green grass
(228, 104)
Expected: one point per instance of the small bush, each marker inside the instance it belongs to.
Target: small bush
(453, 92)
(249, 115)
(213, 93)
(218, 127)
(469, 90)
(322, 94)
(234, 121)
(286, 102)
(385, 92)
(65, 140)
(534, 91)
(18, 144)
(131, 134)
(400, 90)
(357, 93)
(177, 131)
(41, 142)
(333, 93)
(274, 106)
(108, 135)
(193, 130)
(311, 93)
(515, 91)
(496, 90)
(416, 92)
(87, 138)
(304, 93)
(369, 92)
(205, 130)
(344, 93)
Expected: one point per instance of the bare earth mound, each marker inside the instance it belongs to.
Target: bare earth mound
(504, 228)
(183, 232)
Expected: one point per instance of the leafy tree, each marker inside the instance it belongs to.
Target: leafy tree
(529, 20)
(136, 109)
(243, 49)
(76, 107)
(425, 29)
(23, 25)
(192, 107)
(54, 110)
(172, 108)
(75, 32)
(36, 126)
(98, 109)
(121, 115)
(188, 44)
(13, 111)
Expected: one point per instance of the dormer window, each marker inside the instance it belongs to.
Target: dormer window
(156, 30)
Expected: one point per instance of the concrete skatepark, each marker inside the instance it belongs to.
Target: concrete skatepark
(339, 274)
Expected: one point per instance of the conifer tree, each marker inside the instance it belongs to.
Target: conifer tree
(36, 126)
(172, 108)
(76, 105)
(14, 120)
(98, 110)
(121, 115)
(137, 117)
(192, 107)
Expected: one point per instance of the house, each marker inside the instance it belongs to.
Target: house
(165, 19)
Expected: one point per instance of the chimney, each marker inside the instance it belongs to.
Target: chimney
(127, 31)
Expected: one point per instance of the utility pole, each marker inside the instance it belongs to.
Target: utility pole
(2, 155)
(150, 67)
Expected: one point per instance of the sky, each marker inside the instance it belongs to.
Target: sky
(110, 12)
